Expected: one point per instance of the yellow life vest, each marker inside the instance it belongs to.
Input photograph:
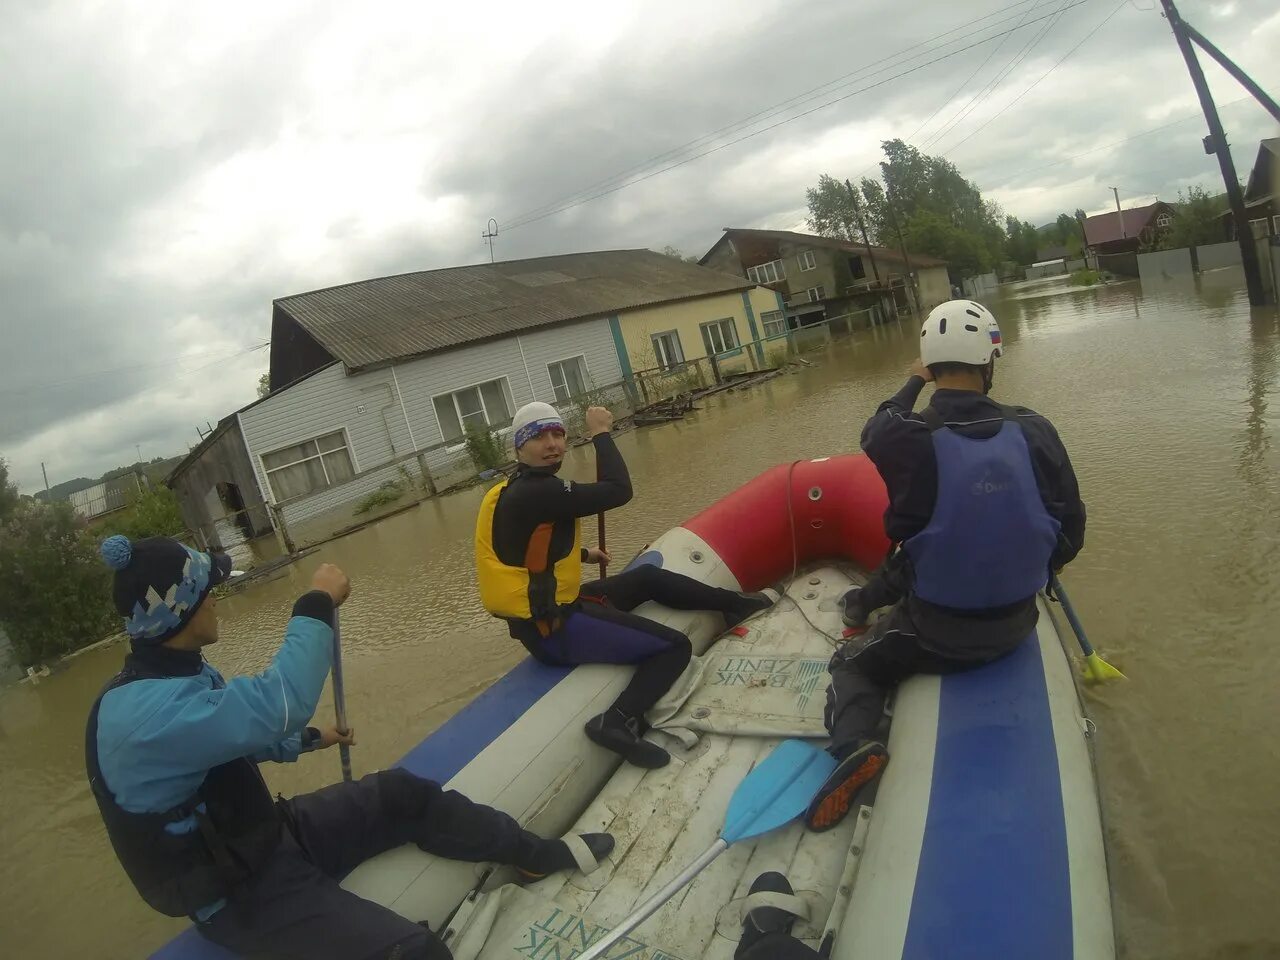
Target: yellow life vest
(536, 590)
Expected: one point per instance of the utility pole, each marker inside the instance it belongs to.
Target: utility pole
(48, 495)
(906, 257)
(1229, 65)
(1217, 143)
(857, 212)
(490, 234)
(1123, 232)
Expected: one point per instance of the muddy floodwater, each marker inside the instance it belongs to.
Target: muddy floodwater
(1167, 400)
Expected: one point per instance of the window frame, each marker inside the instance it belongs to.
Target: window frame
(778, 269)
(773, 316)
(507, 395)
(821, 294)
(319, 455)
(1164, 220)
(718, 327)
(808, 261)
(1275, 225)
(587, 383)
(679, 348)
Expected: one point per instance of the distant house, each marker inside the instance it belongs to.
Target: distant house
(818, 278)
(106, 497)
(1108, 234)
(1262, 195)
(368, 374)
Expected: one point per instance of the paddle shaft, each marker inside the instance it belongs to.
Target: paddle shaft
(651, 906)
(1070, 611)
(340, 698)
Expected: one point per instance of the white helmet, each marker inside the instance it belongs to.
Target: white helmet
(960, 331)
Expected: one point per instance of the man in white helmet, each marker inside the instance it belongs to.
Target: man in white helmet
(983, 502)
(529, 558)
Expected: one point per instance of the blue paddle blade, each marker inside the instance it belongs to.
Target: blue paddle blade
(777, 790)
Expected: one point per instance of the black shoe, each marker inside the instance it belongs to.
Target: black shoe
(552, 856)
(852, 613)
(835, 798)
(748, 604)
(621, 734)
(765, 920)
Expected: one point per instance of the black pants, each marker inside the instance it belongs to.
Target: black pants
(294, 907)
(600, 628)
(775, 946)
(914, 637)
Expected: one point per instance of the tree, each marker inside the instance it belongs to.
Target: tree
(831, 210)
(264, 385)
(54, 590)
(677, 254)
(1196, 220)
(9, 496)
(1023, 241)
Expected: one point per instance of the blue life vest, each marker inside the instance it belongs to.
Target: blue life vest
(990, 539)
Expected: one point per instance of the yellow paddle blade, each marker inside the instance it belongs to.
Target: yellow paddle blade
(1097, 670)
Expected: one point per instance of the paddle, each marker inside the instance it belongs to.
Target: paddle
(775, 792)
(604, 564)
(1095, 668)
(340, 699)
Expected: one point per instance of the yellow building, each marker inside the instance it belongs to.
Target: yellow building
(665, 336)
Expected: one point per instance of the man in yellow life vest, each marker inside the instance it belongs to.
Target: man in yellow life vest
(529, 558)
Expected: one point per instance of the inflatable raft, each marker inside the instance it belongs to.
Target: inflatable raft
(984, 839)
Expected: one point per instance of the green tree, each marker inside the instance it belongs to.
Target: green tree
(1196, 220)
(264, 385)
(9, 496)
(154, 513)
(677, 253)
(54, 590)
(1022, 241)
(832, 210)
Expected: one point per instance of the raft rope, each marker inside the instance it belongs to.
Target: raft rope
(795, 564)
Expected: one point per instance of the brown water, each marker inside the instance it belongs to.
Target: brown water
(1164, 398)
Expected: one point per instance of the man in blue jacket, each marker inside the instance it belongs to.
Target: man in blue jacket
(983, 501)
(172, 752)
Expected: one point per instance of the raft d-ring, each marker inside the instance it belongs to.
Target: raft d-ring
(816, 524)
(1088, 726)
(815, 493)
(696, 556)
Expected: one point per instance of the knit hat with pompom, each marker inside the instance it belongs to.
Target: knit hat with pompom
(160, 584)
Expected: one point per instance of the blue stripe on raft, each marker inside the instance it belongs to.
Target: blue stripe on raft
(439, 757)
(480, 722)
(994, 879)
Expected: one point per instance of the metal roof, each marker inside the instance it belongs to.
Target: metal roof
(880, 253)
(1105, 227)
(375, 321)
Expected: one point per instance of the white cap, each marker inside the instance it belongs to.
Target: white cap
(532, 419)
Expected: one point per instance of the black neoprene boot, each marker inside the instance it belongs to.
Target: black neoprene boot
(615, 731)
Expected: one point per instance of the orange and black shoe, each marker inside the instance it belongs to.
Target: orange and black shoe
(836, 797)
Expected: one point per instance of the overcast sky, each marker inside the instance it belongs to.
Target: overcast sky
(168, 169)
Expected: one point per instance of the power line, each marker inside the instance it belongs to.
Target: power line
(982, 66)
(94, 374)
(999, 78)
(1082, 42)
(779, 123)
(1116, 143)
(784, 105)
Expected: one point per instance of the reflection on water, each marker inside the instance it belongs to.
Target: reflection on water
(1165, 396)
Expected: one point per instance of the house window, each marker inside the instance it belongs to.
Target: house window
(482, 407)
(816, 293)
(666, 350)
(857, 269)
(1259, 227)
(719, 336)
(309, 466)
(1275, 226)
(770, 272)
(775, 324)
(808, 261)
(1164, 221)
(569, 378)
